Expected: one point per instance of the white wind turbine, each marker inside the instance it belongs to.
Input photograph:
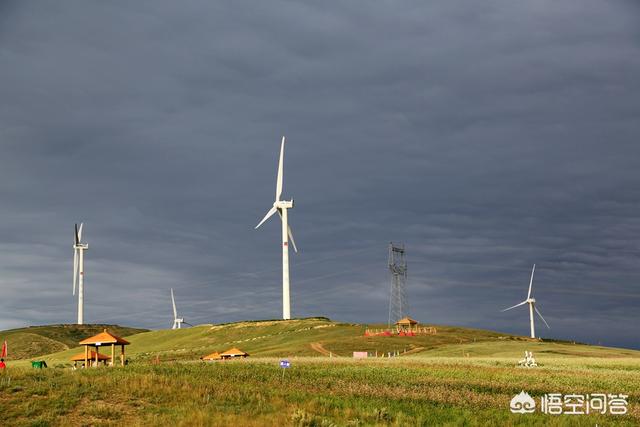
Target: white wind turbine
(281, 207)
(177, 321)
(532, 306)
(78, 270)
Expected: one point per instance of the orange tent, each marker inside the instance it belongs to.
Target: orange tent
(232, 353)
(213, 356)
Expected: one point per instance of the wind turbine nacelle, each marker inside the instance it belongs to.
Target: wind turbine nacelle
(531, 300)
(83, 246)
(284, 204)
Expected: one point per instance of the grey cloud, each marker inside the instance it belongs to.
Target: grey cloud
(485, 136)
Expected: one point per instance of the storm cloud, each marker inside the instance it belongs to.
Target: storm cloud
(486, 136)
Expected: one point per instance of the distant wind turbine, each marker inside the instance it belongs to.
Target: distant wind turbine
(281, 207)
(532, 306)
(177, 321)
(78, 270)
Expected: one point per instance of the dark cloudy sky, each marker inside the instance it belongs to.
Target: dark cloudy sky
(486, 136)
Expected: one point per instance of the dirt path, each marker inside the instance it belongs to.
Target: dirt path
(320, 349)
(413, 350)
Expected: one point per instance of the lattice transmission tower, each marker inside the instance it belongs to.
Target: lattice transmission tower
(398, 269)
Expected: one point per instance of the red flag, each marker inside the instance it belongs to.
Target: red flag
(3, 354)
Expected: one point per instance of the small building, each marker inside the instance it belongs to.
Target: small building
(93, 359)
(103, 339)
(406, 324)
(233, 353)
(213, 356)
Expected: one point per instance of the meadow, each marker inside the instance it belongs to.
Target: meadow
(313, 392)
(457, 377)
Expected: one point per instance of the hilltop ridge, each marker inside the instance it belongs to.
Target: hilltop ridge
(322, 337)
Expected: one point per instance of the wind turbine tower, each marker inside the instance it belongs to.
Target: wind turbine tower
(78, 270)
(532, 307)
(281, 206)
(177, 321)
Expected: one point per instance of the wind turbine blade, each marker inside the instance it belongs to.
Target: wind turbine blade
(290, 233)
(267, 216)
(293, 242)
(279, 180)
(531, 281)
(76, 235)
(80, 233)
(75, 269)
(539, 314)
(517, 305)
(173, 301)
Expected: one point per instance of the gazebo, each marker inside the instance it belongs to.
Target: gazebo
(93, 356)
(406, 324)
(233, 353)
(104, 338)
(213, 356)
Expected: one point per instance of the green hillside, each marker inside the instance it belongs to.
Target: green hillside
(321, 337)
(449, 378)
(25, 343)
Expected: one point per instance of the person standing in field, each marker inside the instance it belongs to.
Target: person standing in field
(2, 364)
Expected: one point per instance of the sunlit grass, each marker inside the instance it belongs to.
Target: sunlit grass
(401, 391)
(457, 377)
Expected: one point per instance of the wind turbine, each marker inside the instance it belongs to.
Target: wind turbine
(78, 270)
(532, 306)
(177, 321)
(281, 207)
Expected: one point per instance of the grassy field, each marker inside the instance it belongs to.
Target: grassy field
(457, 377)
(314, 392)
